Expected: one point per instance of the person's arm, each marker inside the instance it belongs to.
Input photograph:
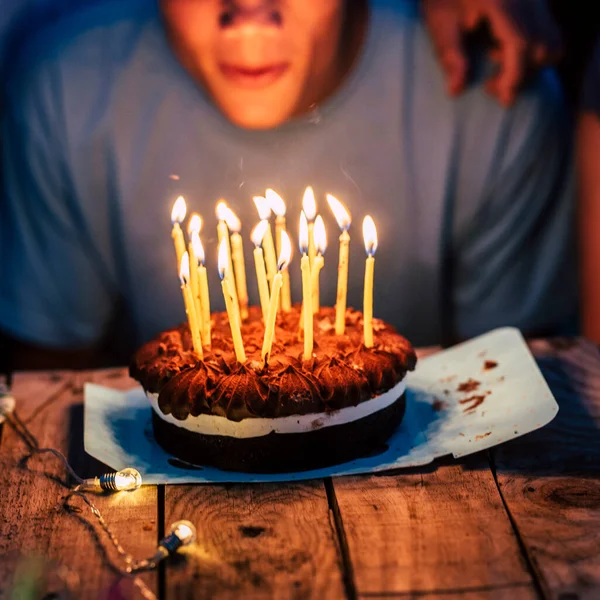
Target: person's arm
(58, 289)
(514, 245)
(588, 163)
(588, 179)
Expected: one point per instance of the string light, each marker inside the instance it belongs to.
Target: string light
(125, 480)
(182, 533)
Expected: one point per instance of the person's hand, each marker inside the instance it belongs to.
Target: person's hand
(524, 33)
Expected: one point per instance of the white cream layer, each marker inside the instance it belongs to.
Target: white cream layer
(257, 427)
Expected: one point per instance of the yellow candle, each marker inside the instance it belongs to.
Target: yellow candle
(307, 307)
(344, 220)
(184, 276)
(315, 271)
(194, 276)
(309, 206)
(307, 314)
(278, 207)
(177, 216)
(205, 304)
(237, 256)
(259, 263)
(270, 320)
(282, 264)
(222, 211)
(319, 261)
(264, 212)
(232, 314)
(203, 295)
(370, 238)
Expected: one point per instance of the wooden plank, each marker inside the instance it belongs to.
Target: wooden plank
(256, 541)
(550, 479)
(441, 532)
(33, 522)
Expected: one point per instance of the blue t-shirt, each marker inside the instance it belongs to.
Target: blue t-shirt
(104, 128)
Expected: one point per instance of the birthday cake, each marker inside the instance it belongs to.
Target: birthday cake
(288, 415)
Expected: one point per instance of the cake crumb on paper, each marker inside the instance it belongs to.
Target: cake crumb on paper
(488, 365)
(483, 435)
(439, 405)
(468, 386)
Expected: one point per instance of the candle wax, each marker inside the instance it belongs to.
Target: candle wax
(368, 302)
(307, 307)
(270, 321)
(263, 284)
(234, 322)
(342, 284)
(239, 266)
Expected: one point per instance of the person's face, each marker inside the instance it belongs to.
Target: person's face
(262, 61)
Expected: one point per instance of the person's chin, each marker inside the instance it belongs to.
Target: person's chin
(264, 108)
(256, 114)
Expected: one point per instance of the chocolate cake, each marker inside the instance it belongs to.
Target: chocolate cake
(291, 415)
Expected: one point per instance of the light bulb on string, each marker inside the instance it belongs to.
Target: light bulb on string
(125, 480)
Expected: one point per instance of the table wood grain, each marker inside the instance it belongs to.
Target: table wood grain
(519, 521)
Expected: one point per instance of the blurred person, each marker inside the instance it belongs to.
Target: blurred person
(588, 168)
(115, 111)
(523, 37)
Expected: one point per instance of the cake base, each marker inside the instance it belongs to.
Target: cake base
(283, 452)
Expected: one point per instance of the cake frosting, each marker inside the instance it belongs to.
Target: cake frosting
(342, 373)
(259, 426)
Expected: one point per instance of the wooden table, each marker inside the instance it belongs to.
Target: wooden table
(521, 521)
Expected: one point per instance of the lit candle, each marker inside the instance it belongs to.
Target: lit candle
(194, 276)
(222, 211)
(342, 216)
(237, 257)
(264, 212)
(284, 259)
(177, 217)
(307, 311)
(232, 314)
(278, 207)
(204, 297)
(194, 223)
(370, 237)
(320, 247)
(257, 236)
(190, 310)
(309, 206)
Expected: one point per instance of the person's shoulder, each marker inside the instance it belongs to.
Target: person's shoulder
(80, 38)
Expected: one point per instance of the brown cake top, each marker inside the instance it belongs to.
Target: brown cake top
(341, 373)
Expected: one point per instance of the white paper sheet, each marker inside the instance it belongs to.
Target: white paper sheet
(514, 396)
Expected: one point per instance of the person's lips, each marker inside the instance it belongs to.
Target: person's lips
(253, 77)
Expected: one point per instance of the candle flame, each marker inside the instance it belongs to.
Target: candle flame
(223, 260)
(275, 202)
(303, 237)
(370, 235)
(341, 214)
(309, 205)
(285, 256)
(179, 210)
(263, 207)
(320, 235)
(198, 247)
(233, 222)
(221, 210)
(258, 233)
(184, 269)
(195, 223)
